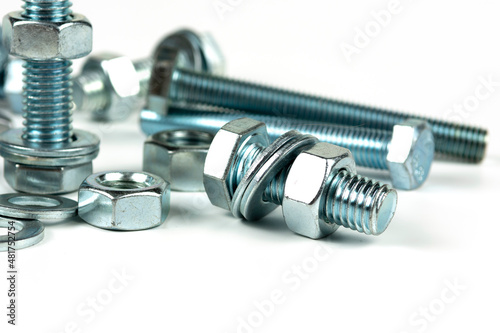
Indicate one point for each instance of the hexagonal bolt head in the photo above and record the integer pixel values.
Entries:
(124, 200)
(178, 157)
(411, 153)
(121, 87)
(307, 185)
(224, 153)
(45, 180)
(37, 40)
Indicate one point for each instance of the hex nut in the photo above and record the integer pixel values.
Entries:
(223, 154)
(305, 188)
(178, 157)
(124, 200)
(36, 40)
(45, 180)
(122, 84)
(411, 153)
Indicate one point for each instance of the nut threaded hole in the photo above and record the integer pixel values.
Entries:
(185, 138)
(125, 181)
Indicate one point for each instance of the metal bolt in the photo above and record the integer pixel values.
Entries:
(316, 183)
(111, 87)
(47, 156)
(407, 152)
(453, 141)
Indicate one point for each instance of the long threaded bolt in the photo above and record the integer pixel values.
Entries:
(315, 182)
(453, 141)
(370, 147)
(47, 92)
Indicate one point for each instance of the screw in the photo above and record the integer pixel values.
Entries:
(47, 156)
(316, 183)
(407, 152)
(453, 141)
(110, 86)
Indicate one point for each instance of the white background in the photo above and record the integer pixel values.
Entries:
(204, 271)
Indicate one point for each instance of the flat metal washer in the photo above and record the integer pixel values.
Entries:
(44, 208)
(30, 232)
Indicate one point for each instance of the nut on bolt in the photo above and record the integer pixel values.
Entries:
(40, 40)
(315, 182)
(124, 200)
(178, 157)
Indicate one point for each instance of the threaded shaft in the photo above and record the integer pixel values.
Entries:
(359, 203)
(47, 11)
(455, 141)
(90, 92)
(48, 101)
(351, 201)
(369, 147)
(143, 68)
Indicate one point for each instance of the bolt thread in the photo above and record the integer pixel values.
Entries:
(47, 11)
(356, 202)
(90, 91)
(47, 92)
(47, 101)
(351, 201)
(369, 147)
(245, 158)
(453, 141)
(143, 68)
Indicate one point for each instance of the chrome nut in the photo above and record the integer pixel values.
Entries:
(37, 40)
(122, 84)
(223, 155)
(124, 200)
(178, 157)
(411, 153)
(306, 187)
(45, 180)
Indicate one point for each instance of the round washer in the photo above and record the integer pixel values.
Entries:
(248, 199)
(29, 233)
(45, 208)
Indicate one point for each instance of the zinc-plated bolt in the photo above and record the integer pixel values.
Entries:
(407, 152)
(48, 156)
(111, 87)
(453, 141)
(315, 182)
